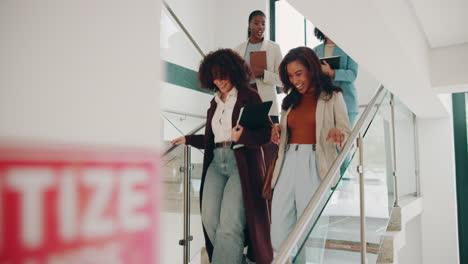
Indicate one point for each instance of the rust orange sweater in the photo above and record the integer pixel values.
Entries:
(301, 121)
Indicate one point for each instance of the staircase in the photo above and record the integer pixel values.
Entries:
(395, 237)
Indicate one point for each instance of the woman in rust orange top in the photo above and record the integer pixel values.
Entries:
(314, 122)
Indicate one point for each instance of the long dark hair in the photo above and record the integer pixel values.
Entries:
(321, 81)
(251, 16)
(224, 64)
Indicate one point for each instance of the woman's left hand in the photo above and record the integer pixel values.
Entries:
(236, 133)
(336, 136)
(327, 69)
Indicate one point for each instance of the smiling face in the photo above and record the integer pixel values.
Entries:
(257, 27)
(224, 85)
(299, 76)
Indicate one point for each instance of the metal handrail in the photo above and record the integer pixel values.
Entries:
(395, 178)
(177, 20)
(193, 131)
(306, 218)
(170, 111)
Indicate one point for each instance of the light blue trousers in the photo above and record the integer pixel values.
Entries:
(223, 213)
(298, 180)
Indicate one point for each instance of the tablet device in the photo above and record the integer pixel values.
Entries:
(255, 116)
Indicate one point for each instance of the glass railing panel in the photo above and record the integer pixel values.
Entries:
(335, 237)
(196, 229)
(383, 99)
(175, 125)
(378, 164)
(180, 123)
(405, 149)
(172, 208)
(335, 232)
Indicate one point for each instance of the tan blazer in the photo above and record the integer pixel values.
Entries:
(329, 114)
(267, 86)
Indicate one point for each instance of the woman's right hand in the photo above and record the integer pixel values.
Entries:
(275, 133)
(336, 136)
(178, 141)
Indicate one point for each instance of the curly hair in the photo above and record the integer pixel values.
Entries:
(319, 80)
(320, 36)
(224, 64)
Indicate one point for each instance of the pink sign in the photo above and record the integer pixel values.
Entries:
(62, 206)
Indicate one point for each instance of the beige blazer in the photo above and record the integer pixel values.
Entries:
(329, 114)
(267, 86)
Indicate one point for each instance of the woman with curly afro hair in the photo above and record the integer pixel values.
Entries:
(234, 214)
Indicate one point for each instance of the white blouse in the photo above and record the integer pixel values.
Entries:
(222, 118)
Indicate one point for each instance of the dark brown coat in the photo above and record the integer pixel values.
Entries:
(251, 168)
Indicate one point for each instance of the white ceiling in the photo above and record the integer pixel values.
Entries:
(391, 45)
(444, 22)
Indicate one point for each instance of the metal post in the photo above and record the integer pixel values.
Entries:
(360, 170)
(395, 180)
(185, 242)
(416, 157)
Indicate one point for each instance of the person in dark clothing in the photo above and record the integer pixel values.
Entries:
(233, 211)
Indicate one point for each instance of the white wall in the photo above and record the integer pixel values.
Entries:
(218, 24)
(411, 253)
(437, 166)
(213, 25)
(366, 85)
(232, 21)
(185, 100)
(200, 19)
(449, 68)
(80, 71)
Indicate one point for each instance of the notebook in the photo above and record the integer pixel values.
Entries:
(334, 61)
(258, 60)
(255, 116)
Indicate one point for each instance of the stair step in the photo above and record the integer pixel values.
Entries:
(394, 238)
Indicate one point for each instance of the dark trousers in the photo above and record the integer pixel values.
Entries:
(270, 149)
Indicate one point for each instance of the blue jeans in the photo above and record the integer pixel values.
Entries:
(223, 212)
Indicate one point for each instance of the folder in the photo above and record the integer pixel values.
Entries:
(255, 116)
(258, 60)
(334, 61)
